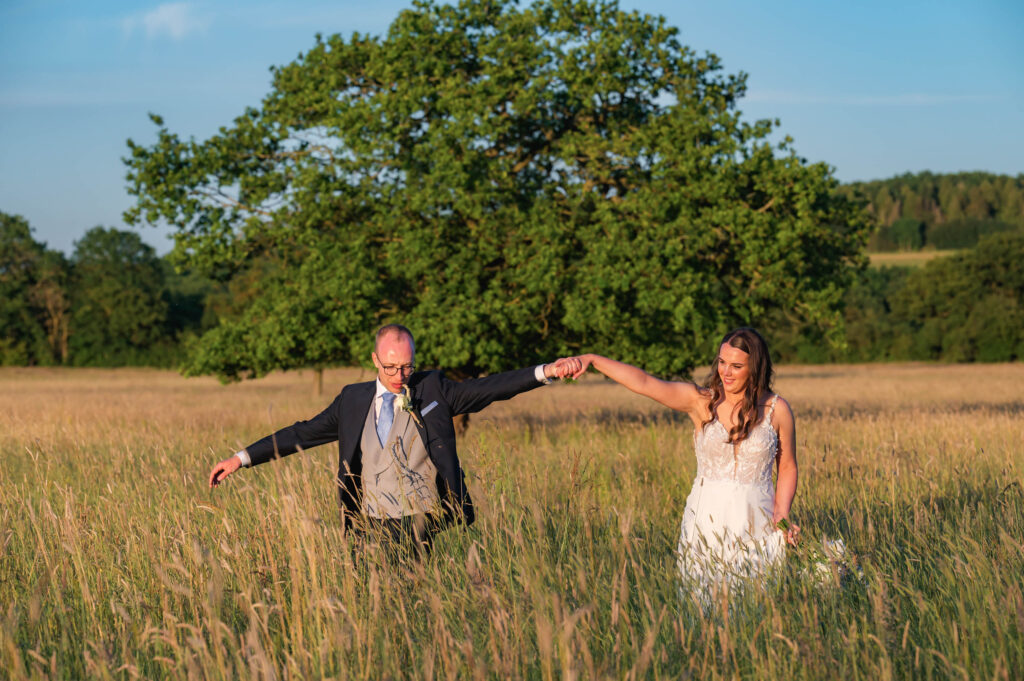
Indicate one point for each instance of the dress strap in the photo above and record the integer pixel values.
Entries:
(771, 408)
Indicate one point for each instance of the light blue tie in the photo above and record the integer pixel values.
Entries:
(386, 418)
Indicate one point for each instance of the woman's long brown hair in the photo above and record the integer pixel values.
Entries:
(759, 381)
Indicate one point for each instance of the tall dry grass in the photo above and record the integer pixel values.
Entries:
(116, 561)
(912, 259)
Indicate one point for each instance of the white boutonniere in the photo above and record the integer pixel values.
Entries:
(404, 402)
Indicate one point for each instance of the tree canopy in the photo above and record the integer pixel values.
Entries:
(512, 183)
(968, 306)
(18, 254)
(33, 301)
(113, 303)
(119, 309)
(944, 211)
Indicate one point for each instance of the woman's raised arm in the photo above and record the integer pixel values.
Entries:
(679, 395)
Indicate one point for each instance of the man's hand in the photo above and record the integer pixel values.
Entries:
(562, 368)
(223, 469)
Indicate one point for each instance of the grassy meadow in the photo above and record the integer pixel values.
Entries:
(118, 562)
(912, 259)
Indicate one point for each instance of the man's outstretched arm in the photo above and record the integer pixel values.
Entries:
(320, 429)
(474, 394)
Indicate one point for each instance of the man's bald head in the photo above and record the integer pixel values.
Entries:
(395, 332)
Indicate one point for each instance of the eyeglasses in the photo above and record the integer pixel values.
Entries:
(392, 369)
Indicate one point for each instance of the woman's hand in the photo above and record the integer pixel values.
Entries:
(582, 363)
(791, 529)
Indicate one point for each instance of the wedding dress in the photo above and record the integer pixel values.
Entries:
(727, 530)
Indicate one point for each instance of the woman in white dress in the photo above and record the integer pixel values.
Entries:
(731, 522)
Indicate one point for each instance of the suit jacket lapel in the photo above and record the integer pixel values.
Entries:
(417, 404)
(353, 416)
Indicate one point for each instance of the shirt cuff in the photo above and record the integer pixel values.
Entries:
(539, 374)
(243, 456)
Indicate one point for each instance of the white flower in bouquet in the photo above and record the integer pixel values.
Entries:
(832, 566)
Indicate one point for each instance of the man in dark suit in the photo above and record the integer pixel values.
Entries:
(398, 469)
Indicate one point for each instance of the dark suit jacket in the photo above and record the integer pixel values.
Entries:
(343, 421)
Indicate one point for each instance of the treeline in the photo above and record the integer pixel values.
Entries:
(948, 211)
(966, 307)
(112, 303)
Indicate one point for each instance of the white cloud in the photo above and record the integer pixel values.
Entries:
(172, 19)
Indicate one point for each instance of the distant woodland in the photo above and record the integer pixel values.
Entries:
(940, 211)
(114, 302)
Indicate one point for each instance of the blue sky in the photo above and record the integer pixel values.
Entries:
(873, 88)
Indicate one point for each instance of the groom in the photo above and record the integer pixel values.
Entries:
(398, 471)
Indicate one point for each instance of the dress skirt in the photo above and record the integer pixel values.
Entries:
(727, 533)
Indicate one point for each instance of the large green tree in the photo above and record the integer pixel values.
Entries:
(118, 304)
(512, 182)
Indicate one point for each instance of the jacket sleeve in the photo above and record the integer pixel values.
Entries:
(474, 394)
(319, 430)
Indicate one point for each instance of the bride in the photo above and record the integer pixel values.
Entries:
(741, 428)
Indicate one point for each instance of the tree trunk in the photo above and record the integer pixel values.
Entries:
(64, 343)
(318, 382)
(53, 299)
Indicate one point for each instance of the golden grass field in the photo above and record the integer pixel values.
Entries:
(913, 259)
(117, 561)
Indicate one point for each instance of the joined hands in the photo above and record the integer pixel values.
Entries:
(566, 367)
(571, 367)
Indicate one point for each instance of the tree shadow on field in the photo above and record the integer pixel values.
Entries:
(626, 416)
(602, 416)
(986, 505)
(820, 373)
(859, 411)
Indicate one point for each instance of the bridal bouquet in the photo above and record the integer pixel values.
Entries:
(829, 565)
(832, 566)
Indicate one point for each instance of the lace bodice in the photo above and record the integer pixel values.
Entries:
(749, 462)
